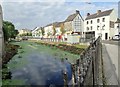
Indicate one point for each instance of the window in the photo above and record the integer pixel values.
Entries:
(103, 19)
(98, 20)
(91, 27)
(103, 27)
(118, 26)
(98, 27)
(87, 22)
(87, 28)
(91, 21)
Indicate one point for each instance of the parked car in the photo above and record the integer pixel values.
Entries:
(116, 37)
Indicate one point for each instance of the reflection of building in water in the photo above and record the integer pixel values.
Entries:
(1, 33)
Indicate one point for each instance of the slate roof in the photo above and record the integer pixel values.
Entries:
(56, 24)
(71, 17)
(96, 15)
(118, 21)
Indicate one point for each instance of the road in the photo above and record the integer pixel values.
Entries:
(36, 64)
(111, 52)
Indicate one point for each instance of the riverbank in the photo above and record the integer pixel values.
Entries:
(10, 50)
(71, 48)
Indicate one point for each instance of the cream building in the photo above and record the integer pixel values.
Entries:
(24, 31)
(100, 24)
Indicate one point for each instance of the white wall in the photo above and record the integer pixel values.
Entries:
(58, 31)
(100, 30)
(117, 30)
(47, 30)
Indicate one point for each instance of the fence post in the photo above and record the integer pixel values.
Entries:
(65, 78)
(73, 74)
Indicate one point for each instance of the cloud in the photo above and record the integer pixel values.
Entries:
(31, 14)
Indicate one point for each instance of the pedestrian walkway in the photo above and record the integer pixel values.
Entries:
(109, 68)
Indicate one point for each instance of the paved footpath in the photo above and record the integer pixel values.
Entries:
(110, 60)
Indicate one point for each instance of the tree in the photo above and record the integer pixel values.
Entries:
(8, 30)
(54, 30)
(42, 30)
(62, 29)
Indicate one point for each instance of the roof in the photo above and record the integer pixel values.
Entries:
(96, 15)
(51, 24)
(58, 24)
(71, 17)
(118, 20)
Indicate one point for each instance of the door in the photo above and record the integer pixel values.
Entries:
(106, 36)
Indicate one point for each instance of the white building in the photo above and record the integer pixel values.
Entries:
(37, 32)
(49, 31)
(74, 23)
(24, 31)
(100, 24)
(117, 27)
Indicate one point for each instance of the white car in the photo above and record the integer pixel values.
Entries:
(116, 37)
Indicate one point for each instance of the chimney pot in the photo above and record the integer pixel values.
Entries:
(88, 14)
(98, 11)
(77, 11)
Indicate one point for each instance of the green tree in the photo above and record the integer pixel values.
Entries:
(62, 29)
(9, 30)
(54, 30)
(42, 30)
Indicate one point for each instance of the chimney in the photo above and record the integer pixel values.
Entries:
(98, 11)
(88, 14)
(77, 11)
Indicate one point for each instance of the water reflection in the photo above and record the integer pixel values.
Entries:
(42, 69)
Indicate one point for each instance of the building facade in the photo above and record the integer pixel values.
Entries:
(74, 23)
(117, 27)
(24, 32)
(37, 32)
(100, 24)
(1, 34)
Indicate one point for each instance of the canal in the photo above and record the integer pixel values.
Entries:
(36, 64)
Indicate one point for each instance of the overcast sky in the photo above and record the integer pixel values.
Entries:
(38, 13)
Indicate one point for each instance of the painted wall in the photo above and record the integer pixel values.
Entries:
(48, 30)
(104, 27)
